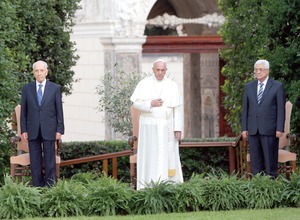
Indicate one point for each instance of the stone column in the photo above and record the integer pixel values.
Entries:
(123, 45)
(127, 54)
(209, 63)
(192, 96)
(124, 52)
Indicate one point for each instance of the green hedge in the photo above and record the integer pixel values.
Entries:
(193, 160)
(73, 150)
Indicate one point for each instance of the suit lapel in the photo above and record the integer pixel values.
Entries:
(34, 92)
(46, 92)
(254, 90)
(267, 89)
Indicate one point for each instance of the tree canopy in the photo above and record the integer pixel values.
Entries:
(260, 29)
(32, 30)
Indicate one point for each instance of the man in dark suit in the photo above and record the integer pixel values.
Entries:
(42, 123)
(263, 119)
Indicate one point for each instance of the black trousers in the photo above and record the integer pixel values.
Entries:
(264, 154)
(42, 161)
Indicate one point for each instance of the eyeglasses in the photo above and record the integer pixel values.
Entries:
(259, 70)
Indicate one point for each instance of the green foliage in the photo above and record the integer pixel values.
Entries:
(190, 194)
(193, 160)
(291, 193)
(222, 192)
(260, 29)
(262, 192)
(84, 178)
(19, 200)
(107, 196)
(154, 198)
(64, 199)
(8, 77)
(39, 39)
(91, 194)
(202, 160)
(31, 30)
(115, 92)
(73, 150)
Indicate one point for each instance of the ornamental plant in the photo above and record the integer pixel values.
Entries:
(64, 199)
(115, 90)
(223, 192)
(18, 200)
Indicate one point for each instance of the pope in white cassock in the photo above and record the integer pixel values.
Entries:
(160, 125)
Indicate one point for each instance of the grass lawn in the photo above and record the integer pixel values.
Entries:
(262, 214)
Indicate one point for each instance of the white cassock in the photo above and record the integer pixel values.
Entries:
(158, 150)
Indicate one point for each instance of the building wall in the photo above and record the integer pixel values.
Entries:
(83, 122)
(105, 31)
(99, 21)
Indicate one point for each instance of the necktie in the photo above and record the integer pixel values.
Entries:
(260, 92)
(40, 94)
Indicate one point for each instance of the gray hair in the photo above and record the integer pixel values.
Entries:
(45, 64)
(263, 62)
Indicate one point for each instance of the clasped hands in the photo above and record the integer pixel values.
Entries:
(157, 102)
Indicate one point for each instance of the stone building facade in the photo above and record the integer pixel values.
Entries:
(112, 31)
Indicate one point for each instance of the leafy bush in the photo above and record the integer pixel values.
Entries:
(222, 192)
(190, 194)
(107, 196)
(18, 200)
(64, 199)
(91, 194)
(115, 91)
(156, 197)
(262, 192)
(291, 192)
(85, 178)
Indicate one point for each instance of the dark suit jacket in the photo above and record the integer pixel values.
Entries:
(268, 116)
(48, 116)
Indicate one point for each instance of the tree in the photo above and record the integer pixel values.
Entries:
(260, 29)
(115, 91)
(45, 35)
(31, 30)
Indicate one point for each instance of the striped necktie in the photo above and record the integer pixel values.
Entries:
(260, 92)
(40, 94)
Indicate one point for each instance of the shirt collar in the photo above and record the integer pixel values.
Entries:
(264, 82)
(43, 83)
